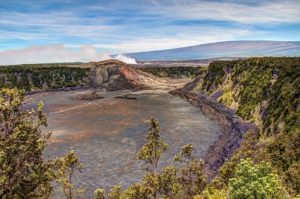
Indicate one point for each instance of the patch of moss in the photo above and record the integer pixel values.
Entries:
(227, 97)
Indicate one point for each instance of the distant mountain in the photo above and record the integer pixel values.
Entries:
(222, 49)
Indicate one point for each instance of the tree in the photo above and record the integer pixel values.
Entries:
(250, 148)
(172, 182)
(254, 182)
(65, 167)
(136, 191)
(215, 194)
(192, 178)
(152, 151)
(115, 192)
(169, 185)
(99, 194)
(23, 172)
(150, 154)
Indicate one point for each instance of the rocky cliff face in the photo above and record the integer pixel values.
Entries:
(262, 91)
(112, 75)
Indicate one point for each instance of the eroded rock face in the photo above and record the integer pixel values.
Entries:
(100, 75)
(111, 75)
(116, 75)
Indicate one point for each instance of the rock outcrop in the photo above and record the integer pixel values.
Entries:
(116, 75)
(111, 75)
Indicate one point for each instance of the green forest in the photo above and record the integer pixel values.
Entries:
(175, 71)
(264, 90)
(32, 77)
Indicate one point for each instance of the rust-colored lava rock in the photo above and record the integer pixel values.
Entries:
(116, 75)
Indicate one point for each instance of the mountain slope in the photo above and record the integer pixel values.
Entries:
(223, 49)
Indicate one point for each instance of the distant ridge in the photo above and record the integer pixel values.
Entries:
(222, 49)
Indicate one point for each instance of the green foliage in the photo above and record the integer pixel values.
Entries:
(254, 182)
(23, 171)
(175, 71)
(253, 83)
(185, 153)
(255, 80)
(191, 177)
(227, 97)
(136, 191)
(115, 192)
(99, 194)
(66, 166)
(152, 151)
(41, 77)
(169, 185)
(284, 154)
(291, 178)
(216, 74)
(155, 146)
(215, 194)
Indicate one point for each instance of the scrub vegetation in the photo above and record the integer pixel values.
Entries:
(176, 72)
(35, 77)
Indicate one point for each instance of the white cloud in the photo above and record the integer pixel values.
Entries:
(51, 25)
(183, 39)
(71, 26)
(269, 12)
(54, 54)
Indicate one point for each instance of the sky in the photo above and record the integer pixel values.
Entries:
(93, 29)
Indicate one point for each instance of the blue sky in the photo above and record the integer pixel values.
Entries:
(117, 26)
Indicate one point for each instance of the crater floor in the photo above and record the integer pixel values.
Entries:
(107, 133)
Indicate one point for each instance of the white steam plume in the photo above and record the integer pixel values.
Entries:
(125, 59)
